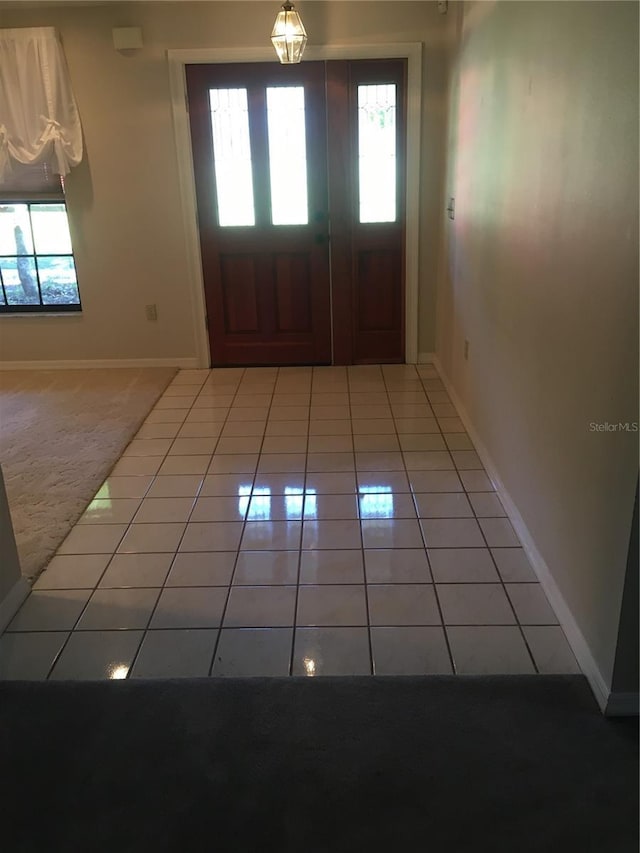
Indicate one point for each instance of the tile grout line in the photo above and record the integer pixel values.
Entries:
(129, 525)
(501, 580)
(302, 529)
(447, 640)
(84, 608)
(366, 586)
(111, 556)
(259, 455)
(426, 553)
(244, 525)
(390, 624)
(177, 548)
(145, 630)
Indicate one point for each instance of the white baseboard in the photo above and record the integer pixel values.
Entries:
(623, 705)
(574, 635)
(184, 363)
(427, 357)
(10, 604)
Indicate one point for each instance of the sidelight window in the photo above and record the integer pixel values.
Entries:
(377, 152)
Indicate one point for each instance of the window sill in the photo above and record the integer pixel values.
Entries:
(40, 314)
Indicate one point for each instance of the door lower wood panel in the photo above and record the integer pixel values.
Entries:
(378, 307)
(267, 314)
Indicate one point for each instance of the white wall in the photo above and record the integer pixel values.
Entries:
(124, 201)
(540, 275)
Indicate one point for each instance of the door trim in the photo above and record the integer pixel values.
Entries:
(177, 59)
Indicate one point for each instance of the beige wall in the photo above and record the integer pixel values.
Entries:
(124, 201)
(540, 275)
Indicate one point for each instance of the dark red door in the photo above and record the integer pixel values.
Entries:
(300, 189)
(367, 177)
(259, 145)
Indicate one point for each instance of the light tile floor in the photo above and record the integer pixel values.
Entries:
(291, 521)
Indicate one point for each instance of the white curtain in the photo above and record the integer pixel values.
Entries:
(39, 121)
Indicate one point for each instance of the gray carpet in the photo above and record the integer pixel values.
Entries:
(449, 764)
(62, 432)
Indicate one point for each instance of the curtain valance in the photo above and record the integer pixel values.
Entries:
(39, 120)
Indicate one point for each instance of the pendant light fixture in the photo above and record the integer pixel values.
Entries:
(289, 36)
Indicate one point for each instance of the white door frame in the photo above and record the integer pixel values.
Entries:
(411, 51)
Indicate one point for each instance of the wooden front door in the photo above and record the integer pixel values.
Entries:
(299, 176)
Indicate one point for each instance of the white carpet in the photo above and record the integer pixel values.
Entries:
(61, 432)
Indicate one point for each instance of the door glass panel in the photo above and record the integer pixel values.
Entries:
(287, 155)
(377, 152)
(232, 156)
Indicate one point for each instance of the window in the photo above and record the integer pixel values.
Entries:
(37, 269)
(377, 152)
(287, 155)
(232, 156)
(41, 140)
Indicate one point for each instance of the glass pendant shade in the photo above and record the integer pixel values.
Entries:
(289, 36)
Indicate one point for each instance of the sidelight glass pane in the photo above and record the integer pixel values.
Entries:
(287, 155)
(377, 152)
(232, 156)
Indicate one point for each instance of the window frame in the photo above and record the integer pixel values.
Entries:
(8, 198)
